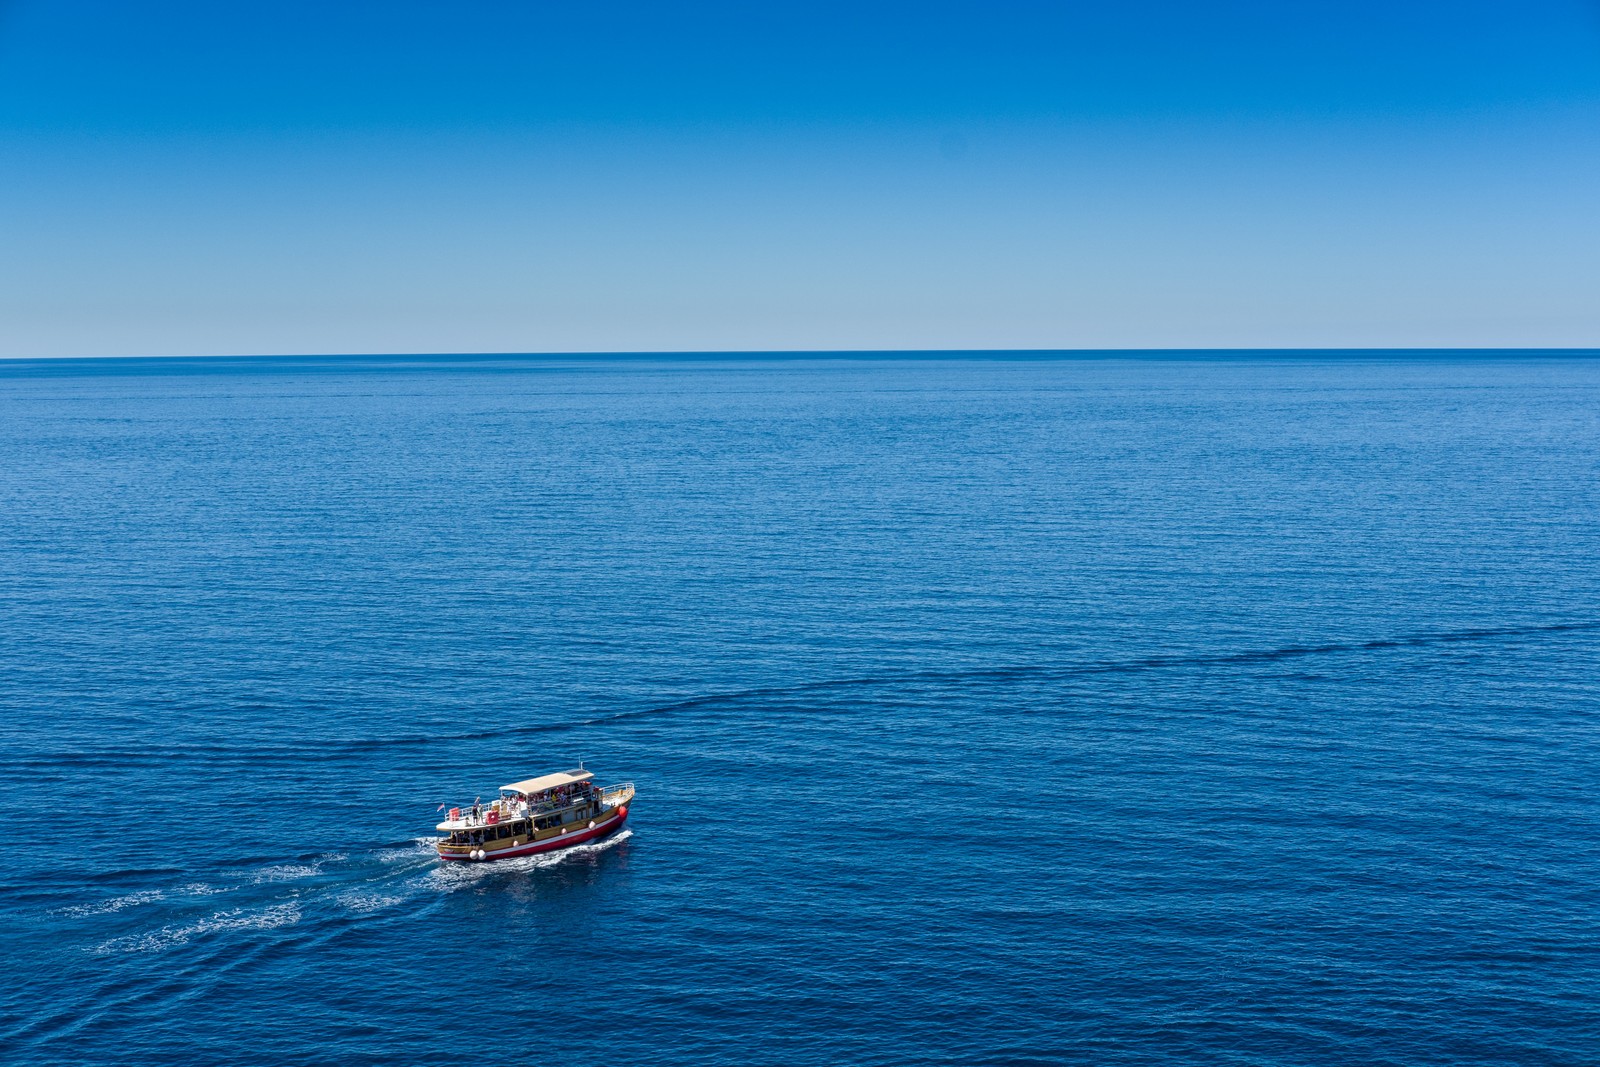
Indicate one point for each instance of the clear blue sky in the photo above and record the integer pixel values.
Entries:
(182, 178)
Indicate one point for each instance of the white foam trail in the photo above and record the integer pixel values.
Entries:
(364, 903)
(131, 900)
(422, 848)
(286, 872)
(172, 936)
(115, 904)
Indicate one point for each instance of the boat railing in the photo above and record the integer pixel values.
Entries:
(616, 790)
(538, 811)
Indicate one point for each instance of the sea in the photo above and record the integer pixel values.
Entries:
(1194, 708)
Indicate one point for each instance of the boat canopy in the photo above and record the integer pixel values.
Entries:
(548, 781)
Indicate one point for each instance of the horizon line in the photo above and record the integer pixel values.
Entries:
(711, 355)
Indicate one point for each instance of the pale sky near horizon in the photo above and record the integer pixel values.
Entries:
(186, 178)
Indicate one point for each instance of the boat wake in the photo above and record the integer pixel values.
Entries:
(233, 919)
(331, 890)
(335, 749)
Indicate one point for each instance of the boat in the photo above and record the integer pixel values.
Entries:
(535, 815)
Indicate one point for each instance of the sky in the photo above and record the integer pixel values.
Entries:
(585, 175)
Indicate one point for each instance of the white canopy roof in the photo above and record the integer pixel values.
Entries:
(548, 781)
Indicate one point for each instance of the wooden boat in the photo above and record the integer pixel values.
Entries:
(536, 815)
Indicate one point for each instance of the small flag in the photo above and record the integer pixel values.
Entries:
(439, 809)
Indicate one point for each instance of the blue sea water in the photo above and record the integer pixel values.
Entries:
(1190, 710)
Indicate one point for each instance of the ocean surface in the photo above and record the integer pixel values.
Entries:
(1010, 710)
